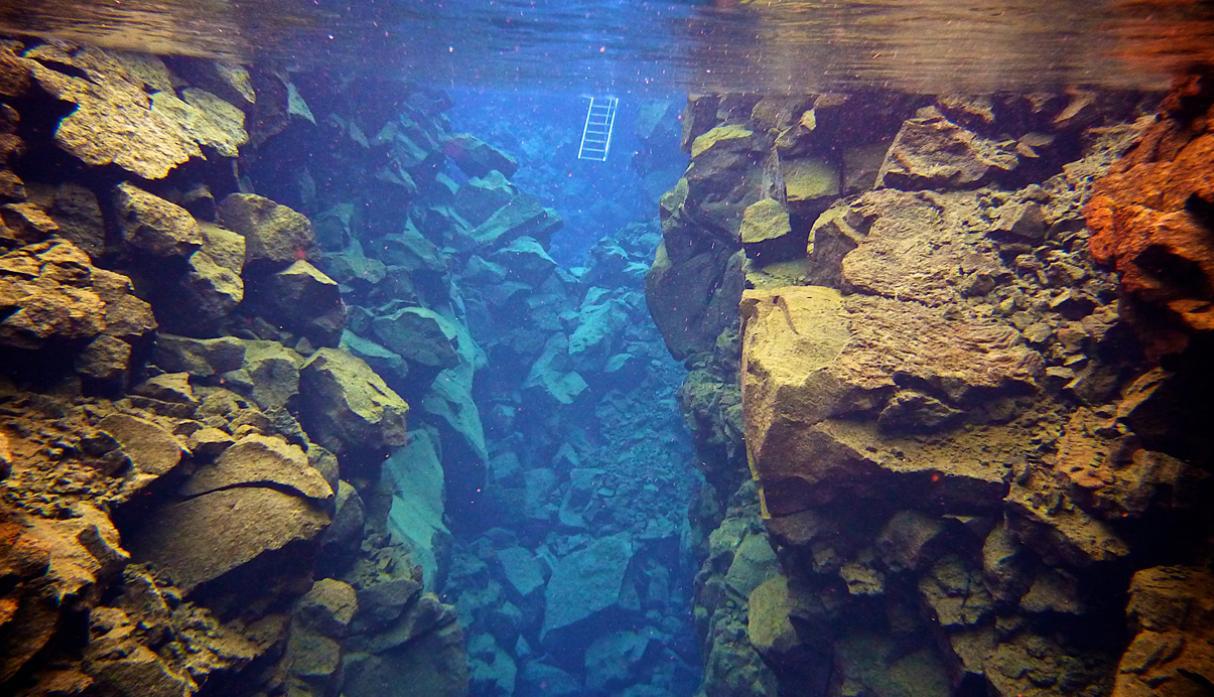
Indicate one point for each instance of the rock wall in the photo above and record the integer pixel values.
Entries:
(977, 456)
(192, 464)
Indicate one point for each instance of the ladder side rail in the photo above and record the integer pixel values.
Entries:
(582, 146)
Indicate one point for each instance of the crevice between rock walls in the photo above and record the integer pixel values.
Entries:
(223, 292)
(970, 368)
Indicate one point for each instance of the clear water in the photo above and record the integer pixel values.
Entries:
(517, 73)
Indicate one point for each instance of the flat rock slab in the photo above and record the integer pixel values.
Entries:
(201, 539)
(260, 461)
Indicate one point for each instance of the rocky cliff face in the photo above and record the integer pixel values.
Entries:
(192, 462)
(976, 455)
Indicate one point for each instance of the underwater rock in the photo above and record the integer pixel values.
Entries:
(416, 513)
(931, 152)
(76, 213)
(126, 113)
(1170, 615)
(200, 357)
(1151, 219)
(50, 292)
(272, 231)
(478, 158)
(340, 543)
(521, 217)
(346, 406)
(614, 660)
(201, 539)
(328, 607)
(481, 197)
(693, 301)
(422, 337)
(811, 355)
(260, 461)
(155, 226)
(588, 594)
(302, 299)
(433, 664)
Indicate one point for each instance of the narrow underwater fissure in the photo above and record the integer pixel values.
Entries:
(317, 381)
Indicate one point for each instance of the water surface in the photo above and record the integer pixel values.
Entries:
(774, 46)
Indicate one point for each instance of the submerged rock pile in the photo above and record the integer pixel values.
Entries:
(190, 462)
(537, 393)
(966, 464)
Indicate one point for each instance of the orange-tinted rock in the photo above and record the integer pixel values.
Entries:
(1152, 218)
(1172, 610)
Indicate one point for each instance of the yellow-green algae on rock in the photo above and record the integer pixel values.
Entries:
(764, 220)
(717, 135)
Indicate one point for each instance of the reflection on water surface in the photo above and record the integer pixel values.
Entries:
(772, 45)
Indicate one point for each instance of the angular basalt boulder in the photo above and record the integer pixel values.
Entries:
(154, 226)
(273, 232)
(301, 299)
(588, 595)
(478, 158)
(1171, 613)
(1151, 219)
(421, 336)
(260, 461)
(51, 296)
(346, 406)
(812, 357)
(126, 111)
(201, 539)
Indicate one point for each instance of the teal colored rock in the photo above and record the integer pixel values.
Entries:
(415, 518)
(478, 158)
(482, 196)
(526, 260)
(614, 661)
(522, 571)
(420, 336)
(551, 378)
(388, 364)
(588, 594)
(522, 216)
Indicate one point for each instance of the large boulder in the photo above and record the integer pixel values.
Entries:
(201, 539)
(589, 594)
(1171, 613)
(811, 356)
(302, 299)
(346, 406)
(272, 232)
(415, 518)
(478, 158)
(421, 336)
(126, 111)
(154, 226)
(931, 152)
(257, 460)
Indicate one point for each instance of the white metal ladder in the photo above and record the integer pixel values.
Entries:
(596, 134)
